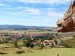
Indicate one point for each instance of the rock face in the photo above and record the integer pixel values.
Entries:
(67, 24)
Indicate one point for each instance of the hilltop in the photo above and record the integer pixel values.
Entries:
(21, 27)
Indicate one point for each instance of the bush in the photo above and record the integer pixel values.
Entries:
(66, 44)
(41, 46)
(20, 52)
(16, 44)
(31, 45)
(28, 44)
(69, 43)
(2, 53)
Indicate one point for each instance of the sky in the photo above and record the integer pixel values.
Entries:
(32, 12)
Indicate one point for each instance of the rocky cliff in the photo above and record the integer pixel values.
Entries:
(67, 24)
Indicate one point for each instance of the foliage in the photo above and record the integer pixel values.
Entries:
(29, 44)
(20, 52)
(70, 43)
(41, 46)
(2, 53)
(16, 44)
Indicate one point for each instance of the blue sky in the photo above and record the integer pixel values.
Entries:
(32, 12)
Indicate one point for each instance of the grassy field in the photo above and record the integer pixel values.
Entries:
(47, 52)
(25, 31)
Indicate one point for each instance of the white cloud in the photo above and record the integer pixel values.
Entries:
(3, 4)
(10, 0)
(45, 1)
(41, 1)
(26, 11)
(32, 10)
(18, 13)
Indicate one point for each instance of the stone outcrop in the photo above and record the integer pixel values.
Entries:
(67, 24)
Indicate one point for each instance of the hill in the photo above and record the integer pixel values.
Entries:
(21, 27)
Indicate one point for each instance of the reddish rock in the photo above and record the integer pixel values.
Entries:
(67, 24)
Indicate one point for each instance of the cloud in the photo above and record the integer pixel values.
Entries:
(11, 0)
(18, 13)
(32, 10)
(41, 1)
(26, 11)
(1, 4)
(45, 1)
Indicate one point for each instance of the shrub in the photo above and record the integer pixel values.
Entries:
(2, 53)
(29, 44)
(41, 46)
(70, 43)
(20, 52)
(16, 44)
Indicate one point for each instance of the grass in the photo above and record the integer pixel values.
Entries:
(29, 52)
(47, 52)
(24, 31)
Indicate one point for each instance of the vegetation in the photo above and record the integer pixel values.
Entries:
(47, 52)
(16, 44)
(45, 44)
(20, 52)
(70, 43)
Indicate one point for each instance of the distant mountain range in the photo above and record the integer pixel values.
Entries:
(21, 27)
